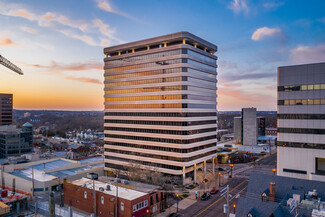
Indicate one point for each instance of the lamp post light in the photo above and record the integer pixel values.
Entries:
(177, 195)
(219, 177)
(274, 171)
(231, 166)
(234, 208)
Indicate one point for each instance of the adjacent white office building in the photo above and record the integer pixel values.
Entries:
(301, 121)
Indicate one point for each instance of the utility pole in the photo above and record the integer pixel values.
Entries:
(116, 214)
(225, 192)
(94, 198)
(33, 184)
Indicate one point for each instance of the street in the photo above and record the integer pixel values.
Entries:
(237, 185)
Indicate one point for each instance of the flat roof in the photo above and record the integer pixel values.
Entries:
(154, 40)
(124, 193)
(40, 169)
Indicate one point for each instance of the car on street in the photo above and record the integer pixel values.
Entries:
(205, 196)
(214, 190)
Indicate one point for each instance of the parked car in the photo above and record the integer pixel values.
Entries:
(214, 190)
(205, 196)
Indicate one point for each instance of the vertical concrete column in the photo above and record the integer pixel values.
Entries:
(194, 173)
(205, 168)
(119, 53)
(195, 45)
(165, 44)
(133, 50)
(213, 166)
(184, 41)
(148, 47)
(184, 175)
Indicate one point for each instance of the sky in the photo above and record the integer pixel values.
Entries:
(59, 45)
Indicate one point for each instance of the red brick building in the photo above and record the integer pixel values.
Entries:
(131, 203)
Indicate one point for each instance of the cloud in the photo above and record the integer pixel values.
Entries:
(106, 6)
(272, 5)
(308, 54)
(57, 68)
(48, 17)
(238, 6)
(248, 76)
(7, 42)
(106, 30)
(265, 32)
(84, 79)
(77, 29)
(29, 30)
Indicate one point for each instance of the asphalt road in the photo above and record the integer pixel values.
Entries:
(238, 186)
(213, 207)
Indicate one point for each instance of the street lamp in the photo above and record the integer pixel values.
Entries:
(231, 166)
(219, 177)
(234, 208)
(177, 195)
(274, 171)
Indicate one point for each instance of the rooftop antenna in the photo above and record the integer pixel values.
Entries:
(6, 63)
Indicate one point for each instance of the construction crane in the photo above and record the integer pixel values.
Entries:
(10, 65)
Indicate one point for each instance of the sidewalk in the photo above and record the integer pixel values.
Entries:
(183, 204)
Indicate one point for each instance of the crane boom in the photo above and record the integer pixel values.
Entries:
(10, 65)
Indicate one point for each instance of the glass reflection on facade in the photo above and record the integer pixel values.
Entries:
(160, 97)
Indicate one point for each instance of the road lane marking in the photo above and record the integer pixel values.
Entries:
(219, 199)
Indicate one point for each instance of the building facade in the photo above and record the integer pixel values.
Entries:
(15, 141)
(5, 109)
(160, 104)
(301, 124)
(249, 127)
(129, 203)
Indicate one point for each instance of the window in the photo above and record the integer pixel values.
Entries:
(85, 194)
(122, 206)
(102, 199)
(320, 166)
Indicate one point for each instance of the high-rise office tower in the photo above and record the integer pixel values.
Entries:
(5, 109)
(301, 121)
(160, 104)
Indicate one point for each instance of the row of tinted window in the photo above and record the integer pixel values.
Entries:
(174, 105)
(145, 57)
(160, 148)
(160, 97)
(161, 123)
(159, 55)
(132, 162)
(162, 114)
(158, 131)
(146, 65)
(200, 56)
(146, 73)
(210, 92)
(302, 145)
(302, 87)
(302, 102)
(209, 84)
(302, 116)
(301, 130)
(161, 157)
(200, 65)
(191, 71)
(175, 141)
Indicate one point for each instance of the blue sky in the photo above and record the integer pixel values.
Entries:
(59, 45)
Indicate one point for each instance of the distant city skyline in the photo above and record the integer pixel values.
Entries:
(59, 46)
